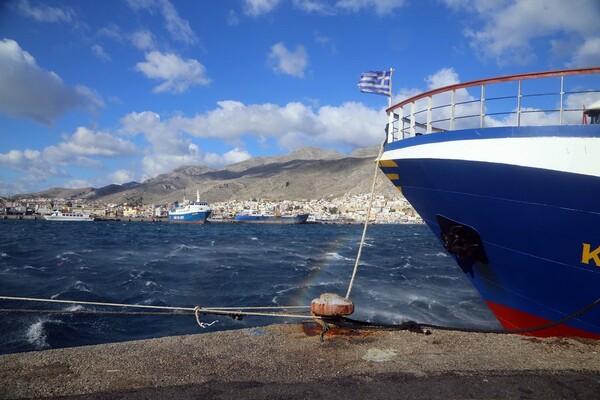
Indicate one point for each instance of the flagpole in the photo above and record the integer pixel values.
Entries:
(389, 129)
(390, 96)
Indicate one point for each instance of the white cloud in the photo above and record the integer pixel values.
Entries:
(76, 184)
(100, 53)
(314, 6)
(510, 28)
(178, 27)
(232, 18)
(170, 147)
(28, 91)
(44, 13)
(86, 142)
(381, 7)
(122, 176)
(178, 75)
(143, 40)
(82, 149)
(255, 8)
(326, 42)
(588, 54)
(293, 125)
(286, 62)
(111, 31)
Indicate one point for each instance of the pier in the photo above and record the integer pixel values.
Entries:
(289, 361)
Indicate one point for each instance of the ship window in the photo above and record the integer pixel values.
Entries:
(594, 116)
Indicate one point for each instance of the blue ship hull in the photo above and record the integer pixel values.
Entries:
(534, 250)
(189, 218)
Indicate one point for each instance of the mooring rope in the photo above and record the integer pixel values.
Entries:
(235, 312)
(364, 234)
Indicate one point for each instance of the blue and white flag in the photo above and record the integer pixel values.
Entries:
(379, 82)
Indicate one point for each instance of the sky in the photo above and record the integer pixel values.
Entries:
(101, 92)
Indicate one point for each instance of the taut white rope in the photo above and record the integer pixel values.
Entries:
(362, 240)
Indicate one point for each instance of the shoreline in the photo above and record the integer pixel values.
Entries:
(288, 360)
(7, 217)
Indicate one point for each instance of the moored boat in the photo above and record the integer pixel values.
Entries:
(190, 212)
(256, 218)
(68, 216)
(509, 182)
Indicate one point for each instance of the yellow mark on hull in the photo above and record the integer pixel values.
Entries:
(392, 177)
(387, 163)
(588, 255)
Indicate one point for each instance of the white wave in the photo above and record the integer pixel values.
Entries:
(336, 256)
(37, 335)
(82, 287)
(77, 285)
(74, 307)
(182, 248)
(34, 268)
(3, 255)
(186, 247)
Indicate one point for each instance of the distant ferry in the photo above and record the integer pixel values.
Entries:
(508, 179)
(68, 216)
(189, 212)
(255, 218)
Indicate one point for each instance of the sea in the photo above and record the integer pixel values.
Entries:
(404, 274)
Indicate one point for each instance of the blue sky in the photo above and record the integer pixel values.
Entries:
(93, 93)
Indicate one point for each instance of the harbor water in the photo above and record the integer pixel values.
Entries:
(404, 274)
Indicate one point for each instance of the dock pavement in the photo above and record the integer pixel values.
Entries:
(289, 361)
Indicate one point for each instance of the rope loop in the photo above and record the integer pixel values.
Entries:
(202, 325)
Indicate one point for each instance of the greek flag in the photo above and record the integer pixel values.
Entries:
(378, 82)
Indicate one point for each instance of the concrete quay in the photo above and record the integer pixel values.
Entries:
(289, 361)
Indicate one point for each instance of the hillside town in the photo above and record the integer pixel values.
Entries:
(346, 209)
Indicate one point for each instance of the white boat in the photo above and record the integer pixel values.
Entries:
(190, 212)
(61, 216)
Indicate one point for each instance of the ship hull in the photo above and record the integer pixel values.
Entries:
(271, 219)
(198, 217)
(530, 195)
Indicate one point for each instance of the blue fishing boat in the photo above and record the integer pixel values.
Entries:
(190, 212)
(506, 173)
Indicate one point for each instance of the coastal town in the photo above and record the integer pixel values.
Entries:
(346, 210)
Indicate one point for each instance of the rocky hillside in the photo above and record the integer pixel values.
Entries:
(307, 173)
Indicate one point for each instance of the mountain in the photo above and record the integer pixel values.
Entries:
(306, 173)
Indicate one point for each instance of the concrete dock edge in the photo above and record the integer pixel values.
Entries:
(289, 361)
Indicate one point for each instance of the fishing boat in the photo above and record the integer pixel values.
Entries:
(277, 218)
(190, 212)
(68, 216)
(506, 173)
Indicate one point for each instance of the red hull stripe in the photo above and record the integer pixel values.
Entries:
(514, 319)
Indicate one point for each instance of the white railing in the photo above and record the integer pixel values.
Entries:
(544, 98)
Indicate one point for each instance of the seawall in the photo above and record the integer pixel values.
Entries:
(289, 361)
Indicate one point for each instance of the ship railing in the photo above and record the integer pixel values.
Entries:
(513, 100)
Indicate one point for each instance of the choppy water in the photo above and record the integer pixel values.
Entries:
(404, 274)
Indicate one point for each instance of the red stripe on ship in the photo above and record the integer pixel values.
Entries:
(514, 319)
